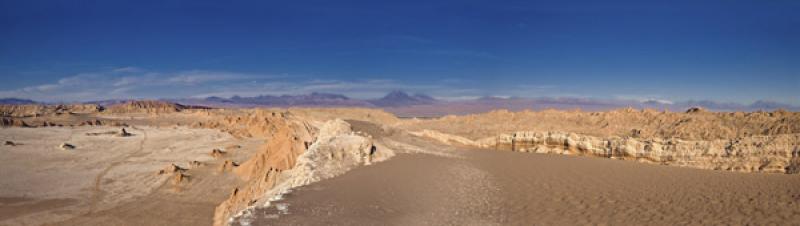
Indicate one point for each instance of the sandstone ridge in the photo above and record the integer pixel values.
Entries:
(297, 153)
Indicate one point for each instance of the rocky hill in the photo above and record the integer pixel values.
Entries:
(400, 99)
(34, 110)
(149, 106)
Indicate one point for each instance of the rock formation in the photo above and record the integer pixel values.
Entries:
(216, 153)
(228, 165)
(297, 154)
(747, 142)
(286, 139)
(95, 122)
(145, 106)
(778, 153)
(195, 164)
(12, 122)
(450, 139)
(35, 110)
(336, 151)
(177, 178)
(171, 168)
(124, 133)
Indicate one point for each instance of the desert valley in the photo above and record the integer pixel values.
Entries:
(408, 113)
(161, 163)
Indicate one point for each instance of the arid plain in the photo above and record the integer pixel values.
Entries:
(160, 163)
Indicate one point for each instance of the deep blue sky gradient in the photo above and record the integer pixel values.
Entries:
(724, 50)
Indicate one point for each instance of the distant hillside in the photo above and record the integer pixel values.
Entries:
(393, 99)
(310, 100)
(149, 106)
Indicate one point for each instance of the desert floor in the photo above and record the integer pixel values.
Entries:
(113, 180)
(509, 188)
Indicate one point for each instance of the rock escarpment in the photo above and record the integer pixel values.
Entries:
(779, 154)
(737, 141)
(296, 154)
(286, 139)
(776, 154)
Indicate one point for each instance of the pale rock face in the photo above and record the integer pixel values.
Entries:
(335, 150)
(145, 106)
(334, 128)
(750, 154)
(446, 138)
(777, 153)
(331, 157)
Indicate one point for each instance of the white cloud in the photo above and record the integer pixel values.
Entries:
(127, 70)
(197, 77)
(645, 98)
(123, 83)
(137, 83)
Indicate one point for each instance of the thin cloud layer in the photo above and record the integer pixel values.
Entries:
(137, 83)
(128, 82)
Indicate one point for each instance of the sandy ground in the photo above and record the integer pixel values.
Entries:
(113, 180)
(110, 180)
(508, 188)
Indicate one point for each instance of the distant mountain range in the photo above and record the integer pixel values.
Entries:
(401, 99)
(421, 105)
(393, 99)
(16, 101)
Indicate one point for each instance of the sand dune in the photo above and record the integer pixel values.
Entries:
(507, 188)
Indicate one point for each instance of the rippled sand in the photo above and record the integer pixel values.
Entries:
(502, 188)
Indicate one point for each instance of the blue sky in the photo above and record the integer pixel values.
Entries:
(727, 50)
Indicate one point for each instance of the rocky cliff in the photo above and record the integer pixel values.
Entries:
(296, 153)
(738, 141)
(286, 139)
(775, 154)
(779, 153)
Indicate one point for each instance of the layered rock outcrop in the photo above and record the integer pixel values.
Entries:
(775, 154)
(737, 141)
(779, 154)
